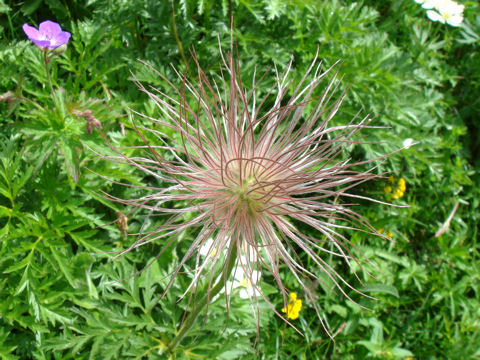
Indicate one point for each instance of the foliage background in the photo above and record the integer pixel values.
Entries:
(61, 294)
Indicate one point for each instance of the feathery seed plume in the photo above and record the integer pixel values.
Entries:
(248, 172)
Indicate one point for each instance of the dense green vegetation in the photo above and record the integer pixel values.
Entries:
(63, 295)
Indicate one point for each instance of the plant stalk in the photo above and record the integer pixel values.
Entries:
(177, 38)
(45, 60)
(188, 323)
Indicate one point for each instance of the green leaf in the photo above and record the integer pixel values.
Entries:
(4, 230)
(29, 7)
(72, 163)
(340, 310)
(5, 212)
(5, 192)
(20, 182)
(380, 288)
(54, 316)
(63, 265)
(19, 265)
(401, 353)
(92, 290)
(59, 99)
(6, 350)
(24, 281)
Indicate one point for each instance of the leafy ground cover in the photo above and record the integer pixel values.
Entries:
(62, 293)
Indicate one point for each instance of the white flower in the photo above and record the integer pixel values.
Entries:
(247, 251)
(445, 17)
(247, 284)
(208, 249)
(242, 281)
(407, 143)
(446, 11)
(427, 4)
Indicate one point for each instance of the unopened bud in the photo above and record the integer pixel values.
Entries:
(88, 128)
(122, 222)
(59, 50)
(8, 96)
(90, 119)
(95, 122)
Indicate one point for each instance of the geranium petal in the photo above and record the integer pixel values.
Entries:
(60, 39)
(41, 43)
(49, 29)
(31, 32)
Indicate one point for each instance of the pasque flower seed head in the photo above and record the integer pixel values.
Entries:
(248, 172)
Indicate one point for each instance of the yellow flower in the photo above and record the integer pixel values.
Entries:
(388, 234)
(397, 189)
(294, 306)
(397, 194)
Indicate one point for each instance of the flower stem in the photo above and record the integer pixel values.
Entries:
(188, 323)
(45, 60)
(38, 106)
(177, 38)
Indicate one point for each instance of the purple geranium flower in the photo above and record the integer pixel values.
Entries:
(49, 34)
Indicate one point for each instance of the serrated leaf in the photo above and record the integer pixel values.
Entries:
(5, 192)
(6, 353)
(89, 245)
(19, 265)
(62, 264)
(18, 185)
(4, 230)
(53, 316)
(24, 281)
(66, 342)
(59, 99)
(86, 303)
(72, 163)
(92, 290)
